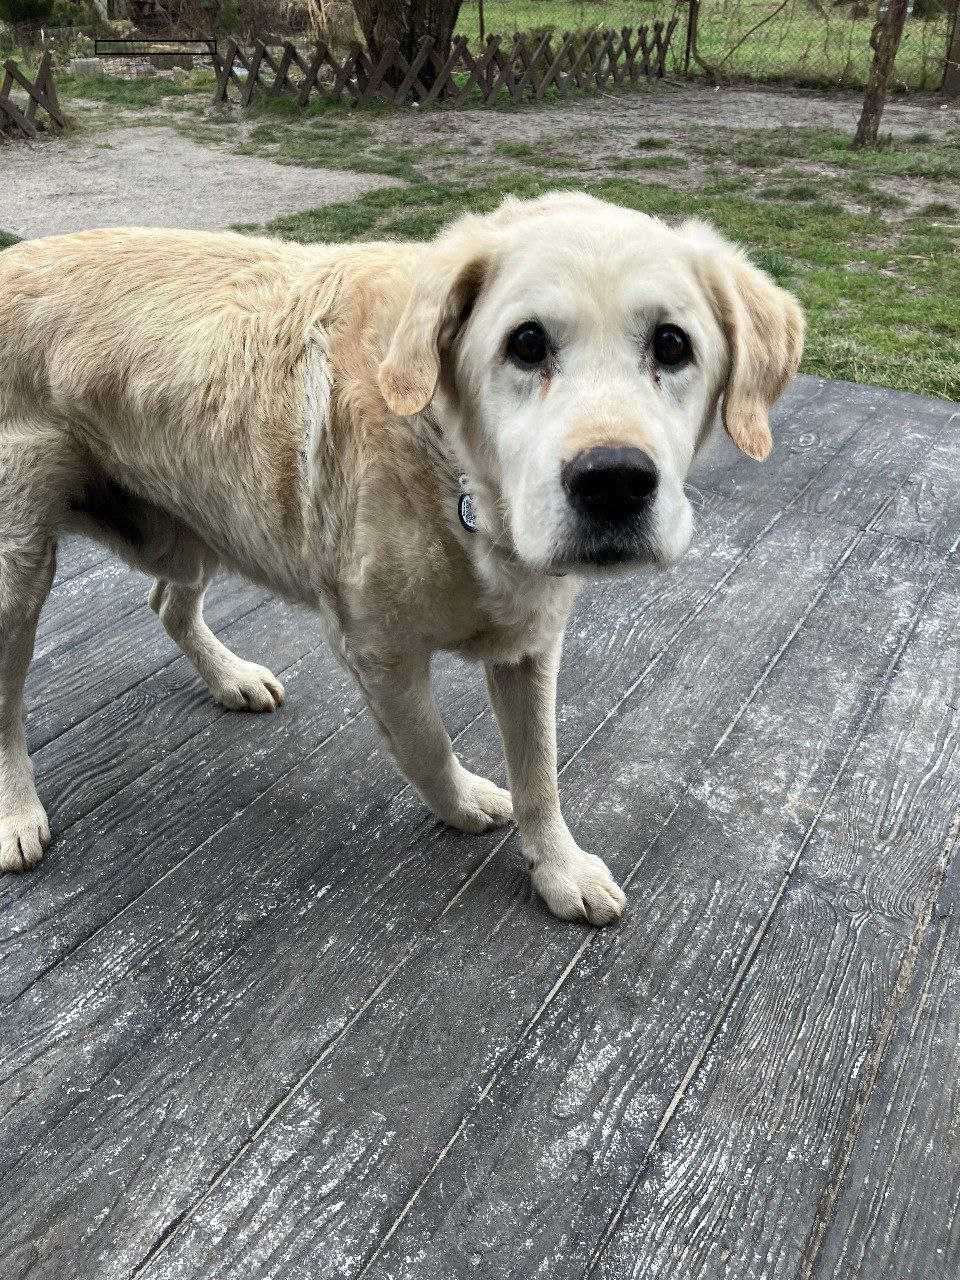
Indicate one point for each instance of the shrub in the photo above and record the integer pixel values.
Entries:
(68, 13)
(26, 12)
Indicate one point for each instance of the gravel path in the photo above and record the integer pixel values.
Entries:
(151, 175)
(147, 173)
(682, 104)
(740, 107)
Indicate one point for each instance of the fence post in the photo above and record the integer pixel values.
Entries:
(951, 70)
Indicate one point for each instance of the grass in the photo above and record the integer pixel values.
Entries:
(538, 155)
(897, 159)
(659, 161)
(879, 312)
(324, 139)
(7, 239)
(795, 192)
(136, 93)
(934, 162)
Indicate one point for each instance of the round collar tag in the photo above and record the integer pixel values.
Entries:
(467, 513)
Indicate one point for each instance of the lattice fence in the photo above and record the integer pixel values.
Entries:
(18, 114)
(523, 68)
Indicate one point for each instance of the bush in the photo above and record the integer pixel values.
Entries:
(67, 13)
(26, 12)
(929, 8)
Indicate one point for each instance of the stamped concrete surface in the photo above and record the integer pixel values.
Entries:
(153, 175)
(262, 1018)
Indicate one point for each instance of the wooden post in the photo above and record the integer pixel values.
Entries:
(951, 71)
(885, 40)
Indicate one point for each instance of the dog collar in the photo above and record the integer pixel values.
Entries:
(465, 508)
(468, 513)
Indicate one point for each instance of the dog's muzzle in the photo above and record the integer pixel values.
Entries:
(611, 489)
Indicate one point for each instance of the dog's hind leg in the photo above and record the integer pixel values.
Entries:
(235, 683)
(161, 545)
(29, 474)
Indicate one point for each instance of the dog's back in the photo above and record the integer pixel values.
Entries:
(138, 324)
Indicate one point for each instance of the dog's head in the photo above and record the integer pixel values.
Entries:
(580, 353)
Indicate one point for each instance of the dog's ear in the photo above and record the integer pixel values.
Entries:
(764, 329)
(453, 274)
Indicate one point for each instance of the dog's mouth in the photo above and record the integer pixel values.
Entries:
(605, 550)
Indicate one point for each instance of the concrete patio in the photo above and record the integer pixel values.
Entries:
(264, 1018)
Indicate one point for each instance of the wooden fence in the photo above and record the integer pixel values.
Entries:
(527, 68)
(19, 119)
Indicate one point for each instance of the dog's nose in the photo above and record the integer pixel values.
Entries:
(610, 482)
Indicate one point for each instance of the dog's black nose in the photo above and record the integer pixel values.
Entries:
(610, 483)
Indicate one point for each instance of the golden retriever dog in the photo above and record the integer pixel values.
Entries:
(428, 444)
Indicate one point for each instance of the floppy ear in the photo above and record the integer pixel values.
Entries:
(764, 328)
(436, 309)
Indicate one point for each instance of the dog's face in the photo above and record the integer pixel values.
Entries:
(587, 351)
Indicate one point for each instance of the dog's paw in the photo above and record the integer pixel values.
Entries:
(246, 686)
(473, 803)
(579, 888)
(23, 837)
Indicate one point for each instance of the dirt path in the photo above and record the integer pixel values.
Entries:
(595, 138)
(150, 174)
(686, 104)
(146, 172)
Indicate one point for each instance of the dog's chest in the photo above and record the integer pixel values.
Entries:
(507, 624)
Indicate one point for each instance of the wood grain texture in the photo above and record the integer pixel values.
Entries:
(98, 637)
(780, 1102)
(387, 913)
(98, 774)
(565, 1119)
(265, 1019)
(893, 1207)
(74, 557)
(809, 430)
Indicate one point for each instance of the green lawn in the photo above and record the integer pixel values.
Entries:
(798, 44)
(143, 91)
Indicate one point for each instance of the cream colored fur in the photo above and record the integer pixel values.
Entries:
(300, 415)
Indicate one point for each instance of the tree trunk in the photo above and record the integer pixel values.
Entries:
(435, 18)
(951, 72)
(381, 20)
(885, 41)
(408, 22)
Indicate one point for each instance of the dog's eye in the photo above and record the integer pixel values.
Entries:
(528, 344)
(671, 346)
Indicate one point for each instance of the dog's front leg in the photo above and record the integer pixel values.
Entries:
(575, 885)
(398, 696)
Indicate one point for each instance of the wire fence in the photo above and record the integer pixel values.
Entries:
(807, 42)
(823, 43)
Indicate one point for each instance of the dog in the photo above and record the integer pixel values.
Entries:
(429, 444)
